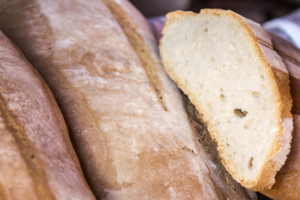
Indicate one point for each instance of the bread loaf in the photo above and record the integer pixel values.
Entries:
(287, 179)
(126, 118)
(226, 66)
(36, 156)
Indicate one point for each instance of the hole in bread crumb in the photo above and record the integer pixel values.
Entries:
(262, 77)
(212, 59)
(206, 29)
(221, 89)
(255, 94)
(222, 97)
(250, 164)
(240, 113)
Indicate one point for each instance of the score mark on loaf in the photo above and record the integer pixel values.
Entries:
(128, 145)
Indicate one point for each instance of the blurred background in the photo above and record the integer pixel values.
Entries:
(256, 10)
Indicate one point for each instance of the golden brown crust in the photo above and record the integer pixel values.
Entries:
(28, 152)
(276, 72)
(282, 88)
(129, 146)
(287, 179)
(261, 39)
(290, 56)
(172, 16)
(37, 159)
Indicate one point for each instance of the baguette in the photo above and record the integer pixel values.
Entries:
(226, 66)
(126, 118)
(36, 156)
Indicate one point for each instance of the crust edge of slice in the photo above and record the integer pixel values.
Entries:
(277, 154)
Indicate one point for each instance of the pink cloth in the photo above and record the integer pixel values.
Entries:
(287, 27)
(157, 24)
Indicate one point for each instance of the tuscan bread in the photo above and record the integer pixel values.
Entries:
(226, 66)
(37, 160)
(126, 118)
(287, 179)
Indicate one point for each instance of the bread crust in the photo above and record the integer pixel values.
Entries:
(276, 72)
(36, 156)
(290, 56)
(129, 146)
(286, 186)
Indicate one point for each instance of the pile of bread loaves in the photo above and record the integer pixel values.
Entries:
(93, 114)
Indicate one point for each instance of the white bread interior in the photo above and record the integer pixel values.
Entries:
(232, 79)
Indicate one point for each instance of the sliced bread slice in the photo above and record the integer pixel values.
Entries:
(226, 66)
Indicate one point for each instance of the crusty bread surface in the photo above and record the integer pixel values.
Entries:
(226, 66)
(37, 160)
(287, 179)
(126, 118)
